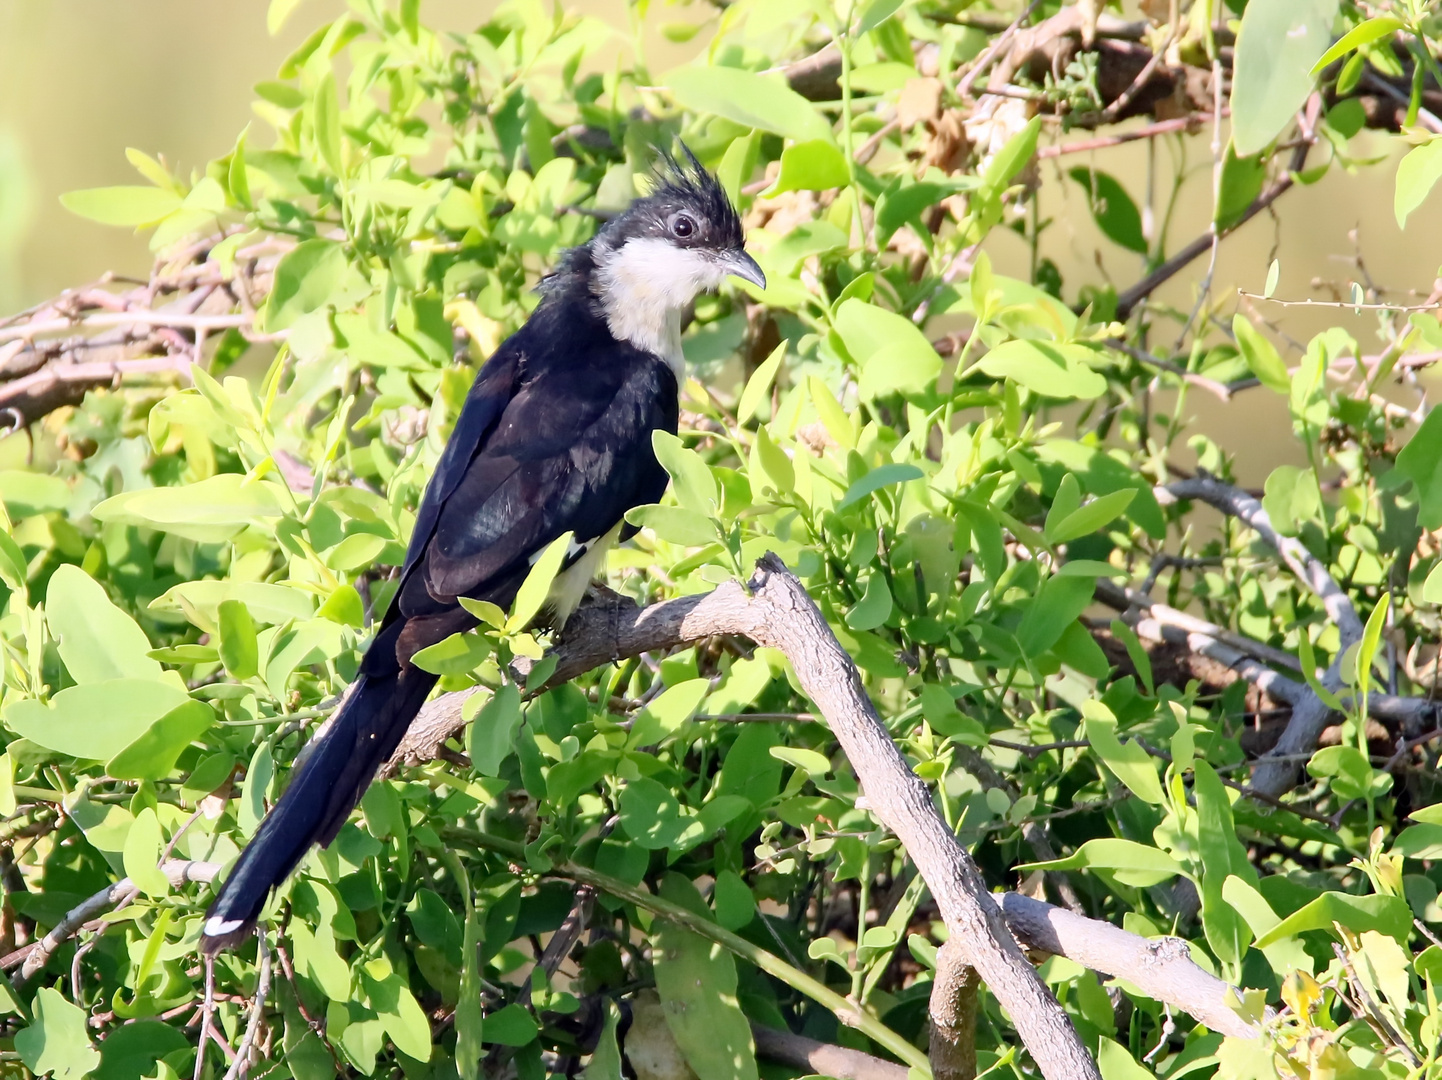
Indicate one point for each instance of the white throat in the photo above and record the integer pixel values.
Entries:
(644, 286)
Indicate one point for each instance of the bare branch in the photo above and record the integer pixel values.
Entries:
(953, 1008)
(35, 956)
(821, 1058)
(1277, 770)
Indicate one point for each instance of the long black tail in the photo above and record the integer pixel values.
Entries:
(321, 795)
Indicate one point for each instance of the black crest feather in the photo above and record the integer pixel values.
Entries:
(678, 184)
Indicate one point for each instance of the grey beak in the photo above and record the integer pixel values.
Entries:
(742, 265)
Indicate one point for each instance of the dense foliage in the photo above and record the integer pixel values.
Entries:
(958, 464)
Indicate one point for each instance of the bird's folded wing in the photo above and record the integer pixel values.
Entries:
(571, 452)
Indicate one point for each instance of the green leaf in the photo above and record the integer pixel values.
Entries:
(57, 1041)
(893, 353)
(277, 13)
(267, 603)
(905, 200)
(878, 478)
(1117, 1063)
(1371, 638)
(696, 980)
(127, 205)
(814, 165)
(1291, 498)
(605, 1063)
(510, 1025)
(355, 552)
(875, 13)
(874, 607)
(1011, 158)
(1088, 519)
(94, 721)
(1261, 356)
(1364, 33)
(1222, 857)
(751, 100)
(1242, 180)
(759, 385)
(1417, 174)
(769, 464)
(132, 1051)
(812, 762)
(1051, 369)
(531, 596)
(1389, 915)
(1132, 765)
(238, 649)
(664, 716)
(258, 775)
(675, 524)
(325, 114)
(1064, 503)
(1419, 841)
(401, 1015)
(1102, 474)
(492, 734)
(1113, 209)
(1057, 604)
(486, 611)
(1419, 462)
(649, 813)
(459, 654)
(279, 93)
(211, 510)
(142, 854)
(28, 493)
(735, 904)
(1351, 773)
(236, 177)
(1133, 864)
(470, 1022)
(1277, 45)
(305, 279)
(154, 754)
(691, 478)
(97, 640)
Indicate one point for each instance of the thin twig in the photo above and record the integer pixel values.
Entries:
(1189, 123)
(1131, 297)
(997, 47)
(239, 1066)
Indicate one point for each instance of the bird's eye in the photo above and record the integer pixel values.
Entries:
(683, 226)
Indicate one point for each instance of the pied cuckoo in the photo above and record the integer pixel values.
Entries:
(554, 437)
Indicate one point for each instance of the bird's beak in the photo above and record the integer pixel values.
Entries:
(742, 265)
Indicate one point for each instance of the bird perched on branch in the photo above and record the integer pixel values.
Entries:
(555, 437)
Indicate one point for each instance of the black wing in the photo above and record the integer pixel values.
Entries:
(555, 436)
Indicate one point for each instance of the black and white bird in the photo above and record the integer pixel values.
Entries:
(555, 437)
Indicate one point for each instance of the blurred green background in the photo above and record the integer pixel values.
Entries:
(82, 80)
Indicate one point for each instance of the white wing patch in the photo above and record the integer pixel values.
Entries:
(215, 926)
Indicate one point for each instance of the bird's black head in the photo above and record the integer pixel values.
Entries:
(687, 208)
(649, 263)
(681, 239)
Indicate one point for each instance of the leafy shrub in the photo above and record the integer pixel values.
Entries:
(959, 464)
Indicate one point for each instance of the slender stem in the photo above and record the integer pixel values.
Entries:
(846, 1011)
